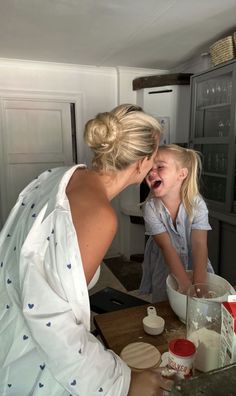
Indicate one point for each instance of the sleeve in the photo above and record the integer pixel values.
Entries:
(200, 219)
(153, 219)
(56, 308)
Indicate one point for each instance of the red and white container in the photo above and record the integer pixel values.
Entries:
(181, 355)
(228, 332)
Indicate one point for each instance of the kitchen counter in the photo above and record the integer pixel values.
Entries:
(120, 328)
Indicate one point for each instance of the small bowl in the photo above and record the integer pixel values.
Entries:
(152, 323)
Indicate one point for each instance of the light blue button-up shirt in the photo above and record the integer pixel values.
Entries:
(158, 220)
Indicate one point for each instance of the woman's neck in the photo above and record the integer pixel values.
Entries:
(116, 182)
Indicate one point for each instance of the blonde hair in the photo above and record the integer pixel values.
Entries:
(121, 137)
(190, 159)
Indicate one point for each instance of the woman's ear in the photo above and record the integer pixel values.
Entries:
(141, 163)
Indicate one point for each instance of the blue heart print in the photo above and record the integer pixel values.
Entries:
(73, 383)
(48, 238)
(48, 324)
(69, 266)
(7, 306)
(25, 337)
(42, 366)
(40, 384)
(32, 206)
(80, 351)
(8, 281)
(34, 215)
(100, 390)
(1, 264)
(31, 306)
(9, 385)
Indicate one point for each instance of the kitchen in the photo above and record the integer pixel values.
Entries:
(44, 60)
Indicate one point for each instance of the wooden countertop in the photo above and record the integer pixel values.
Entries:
(119, 328)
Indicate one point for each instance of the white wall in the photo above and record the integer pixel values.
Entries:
(97, 89)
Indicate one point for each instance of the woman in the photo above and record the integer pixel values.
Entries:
(51, 248)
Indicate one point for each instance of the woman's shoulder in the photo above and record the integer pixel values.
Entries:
(89, 204)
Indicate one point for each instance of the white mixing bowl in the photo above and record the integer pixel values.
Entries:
(178, 301)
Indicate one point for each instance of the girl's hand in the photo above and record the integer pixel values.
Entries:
(183, 286)
(149, 383)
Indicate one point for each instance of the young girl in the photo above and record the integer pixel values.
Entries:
(176, 220)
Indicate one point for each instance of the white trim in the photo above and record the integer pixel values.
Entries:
(40, 95)
(29, 64)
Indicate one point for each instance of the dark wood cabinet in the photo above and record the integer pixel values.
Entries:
(213, 134)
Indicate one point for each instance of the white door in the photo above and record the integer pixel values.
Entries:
(35, 135)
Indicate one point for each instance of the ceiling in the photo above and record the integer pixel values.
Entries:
(134, 33)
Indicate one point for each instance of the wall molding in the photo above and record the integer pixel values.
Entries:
(39, 65)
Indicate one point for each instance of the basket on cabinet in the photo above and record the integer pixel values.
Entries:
(223, 50)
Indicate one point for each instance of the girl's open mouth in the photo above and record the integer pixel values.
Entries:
(156, 184)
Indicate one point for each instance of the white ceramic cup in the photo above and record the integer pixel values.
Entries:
(152, 323)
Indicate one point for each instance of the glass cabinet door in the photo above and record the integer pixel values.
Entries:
(214, 171)
(212, 134)
(213, 107)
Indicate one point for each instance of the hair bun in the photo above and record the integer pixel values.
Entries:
(121, 137)
(103, 132)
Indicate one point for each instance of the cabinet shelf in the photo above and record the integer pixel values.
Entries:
(214, 175)
(214, 106)
(211, 140)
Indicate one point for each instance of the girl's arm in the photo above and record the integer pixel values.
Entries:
(200, 255)
(173, 261)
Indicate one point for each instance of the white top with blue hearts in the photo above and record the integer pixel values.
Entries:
(46, 345)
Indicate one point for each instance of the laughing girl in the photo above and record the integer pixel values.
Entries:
(176, 220)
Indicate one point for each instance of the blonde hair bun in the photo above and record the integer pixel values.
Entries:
(103, 132)
(120, 137)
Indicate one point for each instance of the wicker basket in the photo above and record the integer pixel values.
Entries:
(223, 50)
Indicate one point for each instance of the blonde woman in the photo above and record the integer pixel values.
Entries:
(51, 248)
(176, 220)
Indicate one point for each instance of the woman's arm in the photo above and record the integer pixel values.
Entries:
(173, 260)
(199, 255)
